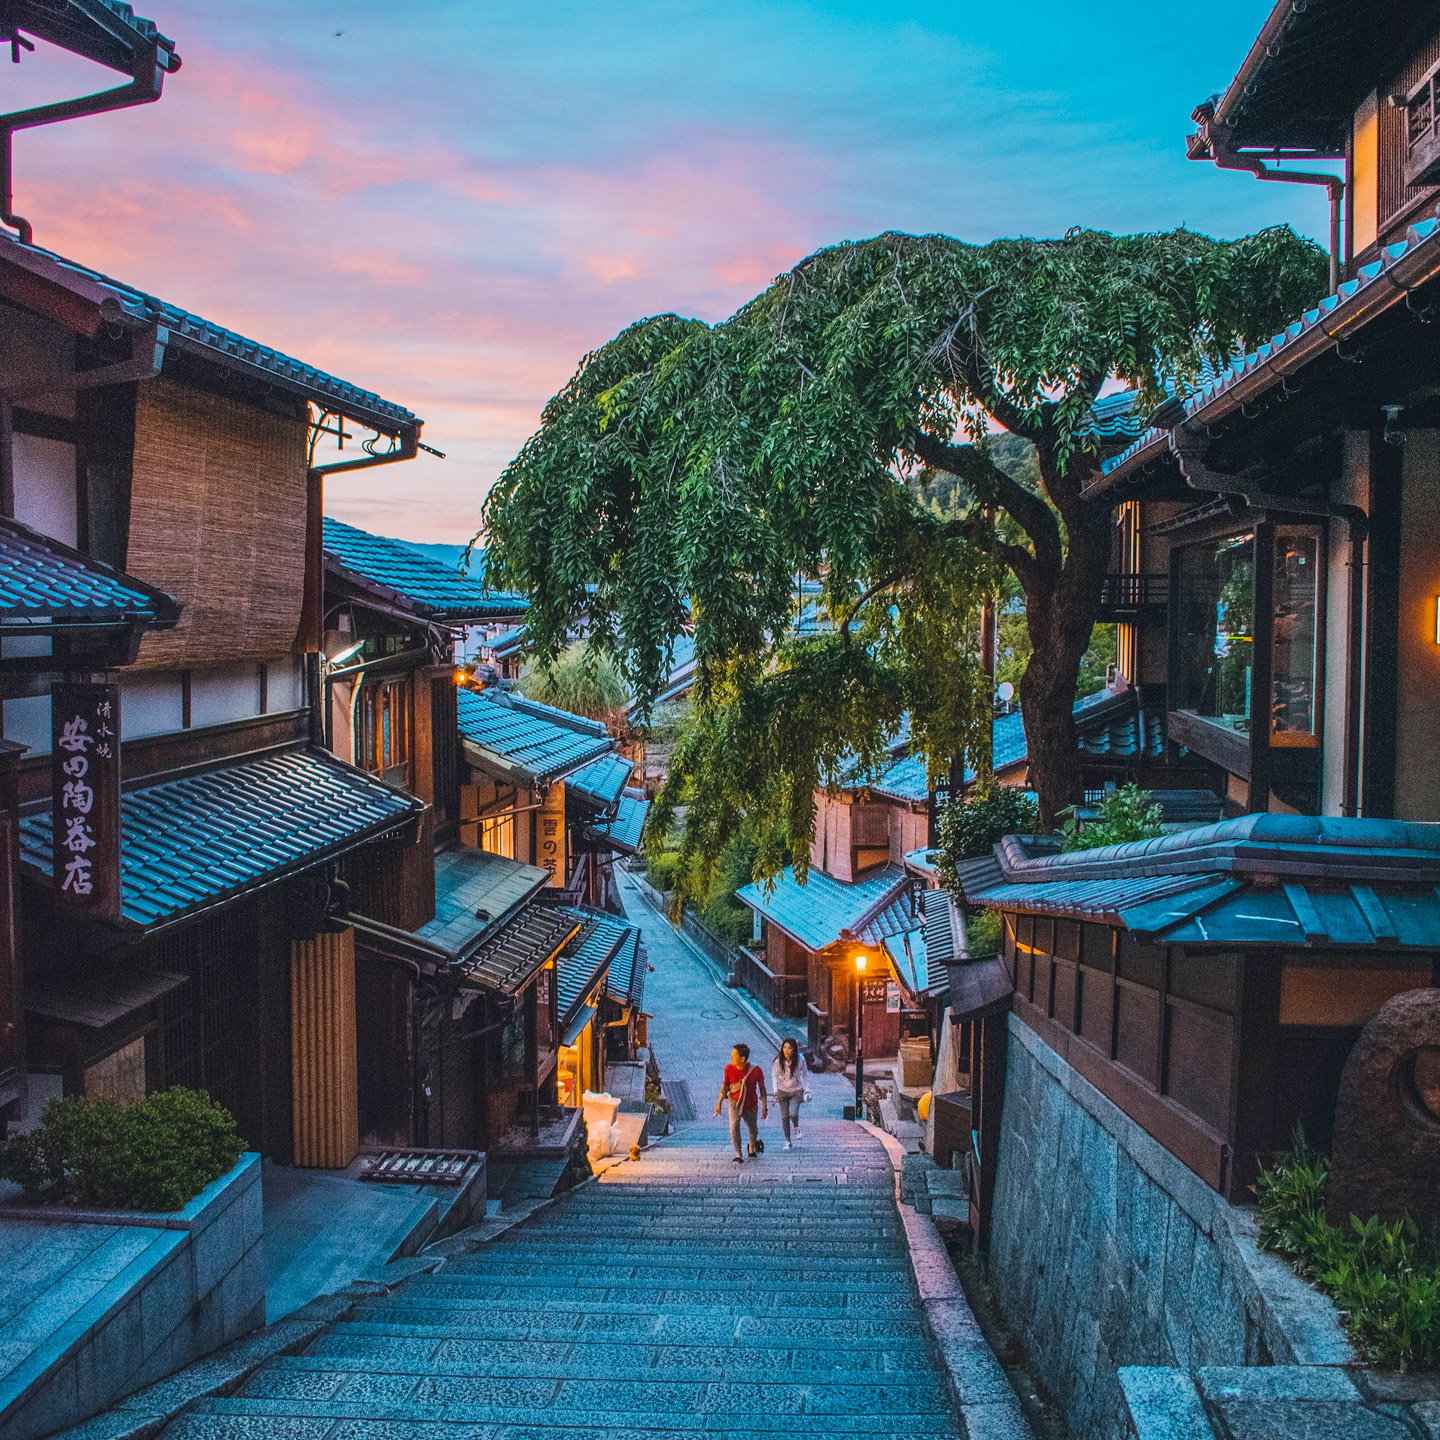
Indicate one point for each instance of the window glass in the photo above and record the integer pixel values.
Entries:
(1216, 630)
(1296, 590)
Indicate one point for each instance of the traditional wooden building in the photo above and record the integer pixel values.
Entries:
(208, 944)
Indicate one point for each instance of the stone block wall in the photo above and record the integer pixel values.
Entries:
(1108, 1252)
(190, 1283)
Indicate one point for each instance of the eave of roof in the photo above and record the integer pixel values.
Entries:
(203, 840)
(814, 914)
(525, 741)
(416, 582)
(41, 579)
(1376, 288)
(516, 951)
(625, 831)
(108, 32)
(227, 349)
(599, 784)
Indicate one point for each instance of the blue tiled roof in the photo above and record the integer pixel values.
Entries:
(816, 912)
(212, 342)
(430, 584)
(625, 980)
(1287, 880)
(580, 963)
(1402, 265)
(894, 918)
(906, 950)
(40, 577)
(1106, 726)
(625, 830)
(906, 779)
(600, 783)
(521, 737)
(191, 843)
(474, 891)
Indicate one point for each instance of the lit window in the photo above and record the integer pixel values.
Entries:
(497, 836)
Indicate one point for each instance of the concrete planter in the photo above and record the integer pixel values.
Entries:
(103, 1303)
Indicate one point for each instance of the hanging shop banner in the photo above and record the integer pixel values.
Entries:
(550, 840)
(85, 784)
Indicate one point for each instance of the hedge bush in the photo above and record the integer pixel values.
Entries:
(153, 1154)
(1385, 1283)
(661, 869)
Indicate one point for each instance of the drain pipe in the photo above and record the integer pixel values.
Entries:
(1217, 138)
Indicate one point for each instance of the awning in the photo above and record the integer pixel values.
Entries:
(584, 963)
(625, 979)
(624, 832)
(576, 1027)
(191, 844)
(473, 891)
(514, 953)
(94, 999)
(598, 785)
(978, 988)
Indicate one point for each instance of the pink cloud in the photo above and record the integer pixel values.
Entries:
(330, 228)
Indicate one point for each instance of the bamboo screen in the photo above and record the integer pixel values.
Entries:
(217, 519)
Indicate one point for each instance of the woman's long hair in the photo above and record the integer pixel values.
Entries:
(791, 1065)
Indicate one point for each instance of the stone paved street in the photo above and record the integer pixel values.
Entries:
(681, 1294)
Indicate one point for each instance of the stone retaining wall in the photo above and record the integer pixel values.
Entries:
(149, 1294)
(1108, 1252)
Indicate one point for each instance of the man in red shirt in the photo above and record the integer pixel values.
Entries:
(744, 1087)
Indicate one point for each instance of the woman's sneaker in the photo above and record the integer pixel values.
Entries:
(787, 1145)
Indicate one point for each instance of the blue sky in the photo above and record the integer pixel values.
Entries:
(451, 202)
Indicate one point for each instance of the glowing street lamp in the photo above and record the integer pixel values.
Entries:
(860, 958)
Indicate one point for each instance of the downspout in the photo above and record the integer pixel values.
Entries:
(1225, 156)
(1355, 666)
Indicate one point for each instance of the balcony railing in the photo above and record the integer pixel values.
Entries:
(1126, 596)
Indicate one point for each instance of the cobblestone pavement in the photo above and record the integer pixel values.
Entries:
(680, 1294)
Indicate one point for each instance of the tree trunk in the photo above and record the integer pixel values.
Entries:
(1060, 611)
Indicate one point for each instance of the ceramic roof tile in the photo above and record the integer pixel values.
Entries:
(625, 980)
(906, 779)
(816, 912)
(597, 944)
(907, 953)
(431, 584)
(601, 782)
(511, 954)
(474, 890)
(624, 832)
(192, 843)
(522, 737)
(39, 577)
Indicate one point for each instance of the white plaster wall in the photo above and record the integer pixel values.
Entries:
(45, 487)
(285, 684)
(150, 703)
(28, 721)
(228, 692)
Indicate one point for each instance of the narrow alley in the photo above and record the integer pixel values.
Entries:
(679, 1294)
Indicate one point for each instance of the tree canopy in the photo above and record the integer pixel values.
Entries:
(688, 474)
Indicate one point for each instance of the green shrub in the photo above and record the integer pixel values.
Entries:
(154, 1154)
(989, 811)
(1384, 1282)
(661, 869)
(982, 932)
(1125, 815)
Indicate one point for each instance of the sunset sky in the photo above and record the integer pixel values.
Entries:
(451, 202)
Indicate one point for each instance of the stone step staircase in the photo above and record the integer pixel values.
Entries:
(679, 1295)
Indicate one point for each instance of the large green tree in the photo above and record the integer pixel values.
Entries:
(687, 474)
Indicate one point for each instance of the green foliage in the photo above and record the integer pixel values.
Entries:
(580, 681)
(661, 867)
(989, 810)
(983, 932)
(1126, 814)
(1384, 1282)
(723, 914)
(687, 474)
(154, 1154)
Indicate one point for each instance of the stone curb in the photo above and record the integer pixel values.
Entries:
(977, 1381)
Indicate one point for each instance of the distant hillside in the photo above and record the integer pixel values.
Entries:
(447, 555)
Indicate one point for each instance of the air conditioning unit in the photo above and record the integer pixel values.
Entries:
(1422, 133)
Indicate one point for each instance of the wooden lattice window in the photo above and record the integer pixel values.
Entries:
(382, 729)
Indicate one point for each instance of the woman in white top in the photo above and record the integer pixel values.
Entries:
(790, 1085)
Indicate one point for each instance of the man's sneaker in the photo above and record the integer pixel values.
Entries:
(738, 1160)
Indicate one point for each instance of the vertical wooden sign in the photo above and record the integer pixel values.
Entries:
(551, 841)
(85, 783)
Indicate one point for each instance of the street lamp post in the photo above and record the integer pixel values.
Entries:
(859, 1037)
